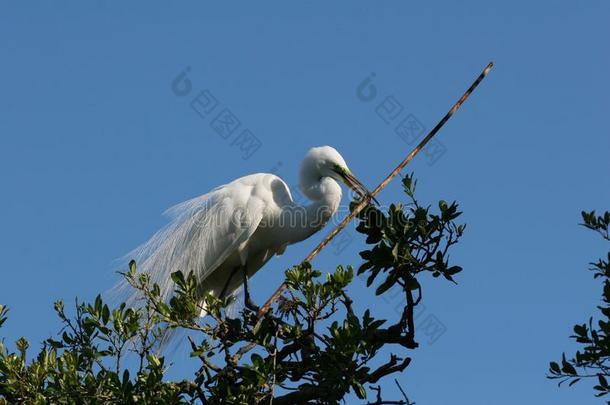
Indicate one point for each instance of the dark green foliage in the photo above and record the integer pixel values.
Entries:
(311, 348)
(85, 361)
(593, 359)
(409, 240)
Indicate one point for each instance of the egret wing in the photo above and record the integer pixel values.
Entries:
(202, 234)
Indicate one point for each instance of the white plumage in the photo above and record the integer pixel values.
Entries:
(239, 226)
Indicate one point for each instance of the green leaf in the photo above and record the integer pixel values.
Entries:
(178, 278)
(359, 389)
(386, 285)
(574, 381)
(105, 314)
(555, 367)
(453, 270)
(256, 360)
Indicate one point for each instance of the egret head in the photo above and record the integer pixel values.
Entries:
(325, 161)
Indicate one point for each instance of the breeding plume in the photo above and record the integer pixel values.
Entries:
(231, 232)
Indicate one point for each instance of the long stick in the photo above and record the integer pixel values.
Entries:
(367, 199)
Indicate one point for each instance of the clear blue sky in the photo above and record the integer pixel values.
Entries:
(94, 145)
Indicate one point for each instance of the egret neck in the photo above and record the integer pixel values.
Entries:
(303, 221)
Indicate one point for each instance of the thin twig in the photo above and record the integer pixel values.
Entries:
(403, 393)
(367, 199)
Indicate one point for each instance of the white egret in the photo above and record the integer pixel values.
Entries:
(236, 228)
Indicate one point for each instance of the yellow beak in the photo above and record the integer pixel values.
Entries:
(352, 182)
